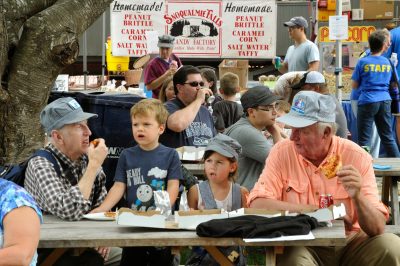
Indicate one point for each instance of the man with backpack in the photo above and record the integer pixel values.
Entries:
(74, 183)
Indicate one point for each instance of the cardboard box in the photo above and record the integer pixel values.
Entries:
(190, 153)
(328, 214)
(357, 14)
(238, 67)
(374, 9)
(191, 219)
(258, 212)
(152, 219)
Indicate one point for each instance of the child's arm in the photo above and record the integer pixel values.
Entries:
(245, 195)
(173, 190)
(112, 198)
(193, 197)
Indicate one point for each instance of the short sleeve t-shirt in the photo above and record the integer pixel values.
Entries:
(373, 75)
(12, 197)
(198, 133)
(298, 57)
(146, 171)
(156, 68)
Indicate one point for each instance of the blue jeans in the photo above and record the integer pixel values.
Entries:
(380, 112)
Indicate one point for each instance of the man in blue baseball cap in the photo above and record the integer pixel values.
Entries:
(77, 184)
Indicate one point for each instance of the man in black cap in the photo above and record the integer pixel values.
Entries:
(304, 54)
(259, 107)
(161, 67)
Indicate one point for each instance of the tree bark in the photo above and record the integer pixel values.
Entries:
(48, 43)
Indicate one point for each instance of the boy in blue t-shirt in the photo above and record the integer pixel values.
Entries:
(372, 76)
(142, 169)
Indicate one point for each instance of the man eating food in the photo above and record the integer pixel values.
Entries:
(294, 177)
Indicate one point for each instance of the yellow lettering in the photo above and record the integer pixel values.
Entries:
(372, 67)
(366, 68)
(378, 68)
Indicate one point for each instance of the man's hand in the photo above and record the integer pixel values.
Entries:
(201, 94)
(351, 180)
(96, 210)
(99, 153)
(104, 252)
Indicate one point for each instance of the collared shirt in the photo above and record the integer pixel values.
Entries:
(156, 68)
(289, 177)
(55, 194)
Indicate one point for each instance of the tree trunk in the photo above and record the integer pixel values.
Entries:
(49, 43)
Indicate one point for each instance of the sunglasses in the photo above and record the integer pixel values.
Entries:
(195, 83)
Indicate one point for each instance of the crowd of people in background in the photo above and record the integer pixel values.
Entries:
(265, 150)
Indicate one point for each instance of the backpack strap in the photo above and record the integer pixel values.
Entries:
(50, 157)
(236, 197)
(207, 195)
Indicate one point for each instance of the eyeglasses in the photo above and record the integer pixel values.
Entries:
(195, 83)
(268, 108)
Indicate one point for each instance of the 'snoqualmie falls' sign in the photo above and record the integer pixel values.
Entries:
(208, 28)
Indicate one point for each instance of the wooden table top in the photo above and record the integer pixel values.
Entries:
(56, 233)
(393, 162)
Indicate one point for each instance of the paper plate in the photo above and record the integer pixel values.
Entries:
(141, 61)
(98, 217)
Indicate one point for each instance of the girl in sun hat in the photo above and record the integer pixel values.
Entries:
(219, 191)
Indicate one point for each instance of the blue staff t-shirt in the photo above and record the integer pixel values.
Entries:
(146, 171)
(373, 75)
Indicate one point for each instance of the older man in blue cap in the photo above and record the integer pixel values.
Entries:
(79, 184)
(296, 175)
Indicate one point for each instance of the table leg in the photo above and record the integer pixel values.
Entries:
(218, 256)
(385, 189)
(395, 201)
(54, 256)
(270, 256)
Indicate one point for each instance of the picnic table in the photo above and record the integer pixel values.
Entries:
(390, 177)
(61, 235)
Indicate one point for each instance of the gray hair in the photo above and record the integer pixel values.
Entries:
(322, 125)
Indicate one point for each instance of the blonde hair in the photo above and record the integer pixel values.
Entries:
(229, 83)
(283, 106)
(162, 95)
(148, 107)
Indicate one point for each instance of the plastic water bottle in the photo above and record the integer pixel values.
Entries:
(393, 59)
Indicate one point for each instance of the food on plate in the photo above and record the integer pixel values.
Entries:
(95, 142)
(331, 166)
(110, 214)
